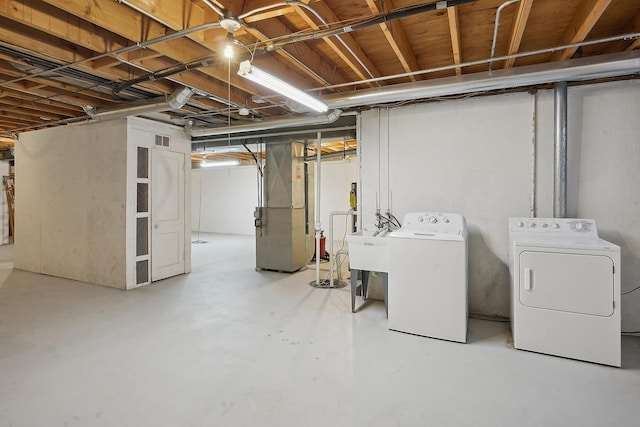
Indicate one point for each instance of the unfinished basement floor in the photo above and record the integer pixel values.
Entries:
(229, 346)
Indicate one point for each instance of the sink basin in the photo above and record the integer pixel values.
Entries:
(368, 250)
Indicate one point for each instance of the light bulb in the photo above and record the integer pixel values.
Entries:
(228, 51)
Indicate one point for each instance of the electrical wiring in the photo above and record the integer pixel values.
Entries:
(632, 290)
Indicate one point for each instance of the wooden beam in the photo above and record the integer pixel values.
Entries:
(588, 14)
(323, 72)
(519, 25)
(396, 37)
(636, 29)
(132, 25)
(337, 47)
(454, 29)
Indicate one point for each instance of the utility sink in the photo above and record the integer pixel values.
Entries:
(368, 250)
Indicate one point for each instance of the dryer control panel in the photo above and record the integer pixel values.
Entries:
(554, 226)
(434, 222)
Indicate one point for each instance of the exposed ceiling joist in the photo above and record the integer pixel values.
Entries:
(454, 29)
(396, 37)
(519, 25)
(586, 17)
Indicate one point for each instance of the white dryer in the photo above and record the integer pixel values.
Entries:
(565, 289)
(427, 290)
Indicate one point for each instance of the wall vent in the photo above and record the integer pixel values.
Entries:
(162, 141)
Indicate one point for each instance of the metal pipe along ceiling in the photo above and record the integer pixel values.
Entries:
(277, 123)
(176, 101)
(582, 69)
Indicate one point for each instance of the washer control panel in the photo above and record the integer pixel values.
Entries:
(434, 222)
(564, 226)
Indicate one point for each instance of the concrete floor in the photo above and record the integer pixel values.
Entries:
(226, 345)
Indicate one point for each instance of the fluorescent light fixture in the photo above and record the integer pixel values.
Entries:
(265, 79)
(221, 164)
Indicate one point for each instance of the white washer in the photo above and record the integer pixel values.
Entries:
(428, 276)
(565, 289)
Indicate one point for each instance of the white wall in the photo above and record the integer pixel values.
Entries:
(229, 197)
(70, 202)
(335, 185)
(474, 157)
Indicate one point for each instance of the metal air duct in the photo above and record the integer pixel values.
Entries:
(591, 68)
(277, 123)
(175, 101)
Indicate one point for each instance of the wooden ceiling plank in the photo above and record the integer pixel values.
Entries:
(48, 105)
(136, 27)
(322, 70)
(586, 17)
(519, 25)
(636, 29)
(396, 37)
(12, 114)
(454, 29)
(337, 47)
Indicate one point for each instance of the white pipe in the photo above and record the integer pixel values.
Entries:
(316, 206)
(495, 30)
(331, 215)
(629, 36)
(581, 69)
(534, 129)
(274, 123)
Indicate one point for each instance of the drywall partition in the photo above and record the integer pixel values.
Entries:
(76, 199)
(223, 199)
(474, 156)
(4, 205)
(71, 202)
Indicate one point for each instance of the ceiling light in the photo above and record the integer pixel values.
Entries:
(230, 24)
(228, 46)
(265, 79)
(243, 111)
(206, 164)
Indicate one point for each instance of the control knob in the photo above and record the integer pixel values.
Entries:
(433, 220)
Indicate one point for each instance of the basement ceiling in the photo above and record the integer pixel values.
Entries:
(59, 57)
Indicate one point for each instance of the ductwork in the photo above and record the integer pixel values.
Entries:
(175, 101)
(591, 68)
(277, 123)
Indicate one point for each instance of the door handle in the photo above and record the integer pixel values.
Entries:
(527, 278)
(156, 226)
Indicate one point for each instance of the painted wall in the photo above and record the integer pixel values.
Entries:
(229, 197)
(475, 157)
(76, 199)
(223, 199)
(70, 196)
(4, 206)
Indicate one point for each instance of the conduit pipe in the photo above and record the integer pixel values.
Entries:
(630, 36)
(316, 205)
(591, 68)
(560, 151)
(277, 123)
(177, 100)
(495, 30)
(350, 212)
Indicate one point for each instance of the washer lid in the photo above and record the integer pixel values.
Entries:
(405, 234)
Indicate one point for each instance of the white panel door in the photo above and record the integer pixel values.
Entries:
(574, 283)
(167, 214)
